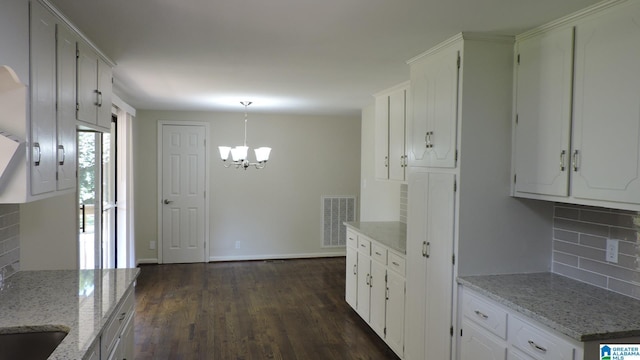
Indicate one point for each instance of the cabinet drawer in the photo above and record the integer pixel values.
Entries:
(352, 239)
(396, 263)
(485, 314)
(116, 324)
(364, 245)
(538, 343)
(379, 253)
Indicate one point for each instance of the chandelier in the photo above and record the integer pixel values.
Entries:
(239, 153)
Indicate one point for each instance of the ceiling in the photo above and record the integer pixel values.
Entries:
(324, 57)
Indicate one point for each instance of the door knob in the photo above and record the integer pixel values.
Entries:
(167, 201)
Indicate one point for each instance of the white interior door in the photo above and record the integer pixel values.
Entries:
(182, 182)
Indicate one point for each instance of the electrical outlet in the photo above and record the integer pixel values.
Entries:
(612, 250)
(152, 245)
(237, 244)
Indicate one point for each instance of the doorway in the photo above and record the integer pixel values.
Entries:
(97, 198)
(182, 187)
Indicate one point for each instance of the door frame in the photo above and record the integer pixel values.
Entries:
(159, 197)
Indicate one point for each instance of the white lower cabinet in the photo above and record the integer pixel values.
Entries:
(116, 341)
(490, 331)
(375, 287)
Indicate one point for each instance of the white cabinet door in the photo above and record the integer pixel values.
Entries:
(429, 266)
(397, 150)
(105, 75)
(94, 88)
(364, 286)
(66, 122)
(43, 100)
(395, 312)
(87, 92)
(378, 298)
(351, 281)
(606, 127)
(477, 344)
(127, 341)
(434, 93)
(544, 82)
(381, 151)
(416, 267)
(439, 255)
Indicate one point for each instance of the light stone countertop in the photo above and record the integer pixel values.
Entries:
(78, 301)
(393, 234)
(581, 311)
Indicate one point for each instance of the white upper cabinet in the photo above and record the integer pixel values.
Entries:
(94, 89)
(390, 132)
(434, 96)
(606, 126)
(66, 95)
(599, 163)
(544, 67)
(43, 100)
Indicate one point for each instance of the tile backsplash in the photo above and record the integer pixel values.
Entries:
(580, 236)
(9, 240)
(404, 190)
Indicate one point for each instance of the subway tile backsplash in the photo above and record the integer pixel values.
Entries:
(9, 240)
(580, 236)
(404, 202)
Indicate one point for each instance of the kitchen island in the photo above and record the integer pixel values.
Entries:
(84, 303)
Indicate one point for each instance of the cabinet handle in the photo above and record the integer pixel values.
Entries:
(536, 346)
(427, 139)
(368, 281)
(386, 294)
(98, 98)
(575, 160)
(122, 316)
(424, 248)
(36, 146)
(355, 269)
(386, 161)
(427, 250)
(378, 253)
(395, 263)
(479, 313)
(61, 147)
(562, 159)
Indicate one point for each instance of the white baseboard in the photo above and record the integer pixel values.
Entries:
(147, 261)
(342, 252)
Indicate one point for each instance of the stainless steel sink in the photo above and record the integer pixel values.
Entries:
(29, 345)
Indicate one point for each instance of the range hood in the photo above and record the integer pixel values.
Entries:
(12, 111)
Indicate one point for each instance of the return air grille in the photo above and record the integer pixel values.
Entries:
(335, 211)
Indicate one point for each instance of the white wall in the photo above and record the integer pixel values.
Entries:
(274, 212)
(379, 200)
(48, 234)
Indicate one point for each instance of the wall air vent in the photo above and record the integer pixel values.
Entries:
(335, 211)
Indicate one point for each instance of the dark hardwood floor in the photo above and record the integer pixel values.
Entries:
(283, 309)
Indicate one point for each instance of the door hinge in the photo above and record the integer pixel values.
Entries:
(455, 185)
(518, 59)
(515, 176)
(516, 119)
(451, 330)
(385, 331)
(77, 54)
(56, 176)
(453, 259)
(460, 332)
(458, 61)
(385, 278)
(455, 157)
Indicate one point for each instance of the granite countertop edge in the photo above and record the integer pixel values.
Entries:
(27, 305)
(543, 317)
(392, 234)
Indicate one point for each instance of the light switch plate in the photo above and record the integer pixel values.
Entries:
(612, 250)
